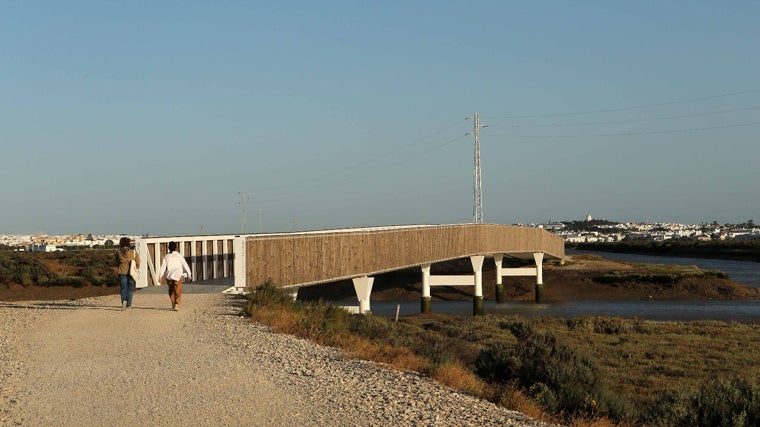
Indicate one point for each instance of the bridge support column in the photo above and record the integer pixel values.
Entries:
(477, 299)
(238, 263)
(425, 300)
(363, 288)
(497, 259)
(539, 258)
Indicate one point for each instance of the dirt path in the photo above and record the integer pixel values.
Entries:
(98, 365)
(89, 363)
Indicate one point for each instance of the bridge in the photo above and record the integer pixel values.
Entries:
(298, 259)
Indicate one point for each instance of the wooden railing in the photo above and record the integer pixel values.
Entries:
(307, 258)
(298, 259)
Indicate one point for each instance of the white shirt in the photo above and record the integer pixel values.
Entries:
(174, 266)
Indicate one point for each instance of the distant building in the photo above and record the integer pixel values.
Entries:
(43, 248)
(589, 218)
(552, 226)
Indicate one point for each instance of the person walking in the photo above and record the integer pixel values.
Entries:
(174, 270)
(124, 255)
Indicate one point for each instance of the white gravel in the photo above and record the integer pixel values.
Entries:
(87, 363)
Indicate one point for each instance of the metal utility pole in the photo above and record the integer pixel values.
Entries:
(243, 198)
(477, 204)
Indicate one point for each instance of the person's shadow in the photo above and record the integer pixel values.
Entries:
(72, 305)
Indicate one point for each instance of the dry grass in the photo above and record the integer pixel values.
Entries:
(280, 320)
(513, 398)
(595, 422)
(456, 376)
(400, 358)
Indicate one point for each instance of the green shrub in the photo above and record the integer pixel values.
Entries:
(497, 363)
(734, 403)
(554, 374)
(545, 396)
(267, 294)
(66, 280)
(717, 403)
(323, 322)
(372, 327)
(672, 409)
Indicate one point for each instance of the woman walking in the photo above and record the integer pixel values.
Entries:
(124, 255)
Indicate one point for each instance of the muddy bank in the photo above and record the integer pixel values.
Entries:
(580, 277)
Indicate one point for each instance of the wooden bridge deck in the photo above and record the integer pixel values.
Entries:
(308, 258)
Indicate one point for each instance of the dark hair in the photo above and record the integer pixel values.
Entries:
(125, 242)
(172, 246)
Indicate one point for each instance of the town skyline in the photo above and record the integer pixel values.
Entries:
(648, 230)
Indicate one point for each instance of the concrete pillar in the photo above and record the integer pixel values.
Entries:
(204, 257)
(497, 259)
(141, 246)
(363, 288)
(238, 263)
(477, 299)
(194, 260)
(425, 300)
(539, 258)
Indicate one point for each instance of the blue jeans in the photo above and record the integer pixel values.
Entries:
(127, 284)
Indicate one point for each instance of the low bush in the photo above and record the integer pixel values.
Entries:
(558, 377)
(266, 295)
(719, 402)
(604, 325)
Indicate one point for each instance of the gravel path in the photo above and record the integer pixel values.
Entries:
(88, 363)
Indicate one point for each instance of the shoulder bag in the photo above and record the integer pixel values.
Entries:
(134, 272)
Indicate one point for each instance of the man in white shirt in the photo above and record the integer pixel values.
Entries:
(174, 270)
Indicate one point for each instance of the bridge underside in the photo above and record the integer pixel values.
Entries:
(309, 258)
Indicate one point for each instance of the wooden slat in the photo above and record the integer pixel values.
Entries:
(309, 258)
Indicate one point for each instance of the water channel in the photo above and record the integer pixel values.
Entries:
(746, 272)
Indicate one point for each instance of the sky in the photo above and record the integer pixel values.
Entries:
(198, 117)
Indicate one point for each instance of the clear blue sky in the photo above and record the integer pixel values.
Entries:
(153, 117)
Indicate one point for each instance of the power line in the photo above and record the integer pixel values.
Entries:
(318, 188)
(630, 133)
(635, 107)
(682, 116)
(374, 159)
